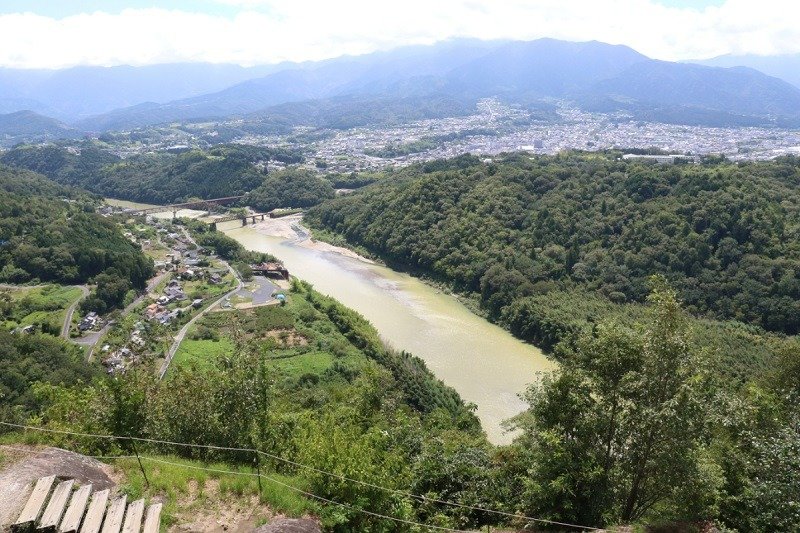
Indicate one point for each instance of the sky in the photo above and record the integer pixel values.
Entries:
(64, 33)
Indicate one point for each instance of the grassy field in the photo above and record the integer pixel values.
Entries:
(307, 363)
(201, 353)
(44, 305)
(295, 339)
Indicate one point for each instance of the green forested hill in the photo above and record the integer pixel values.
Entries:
(726, 235)
(290, 188)
(155, 178)
(51, 233)
(653, 417)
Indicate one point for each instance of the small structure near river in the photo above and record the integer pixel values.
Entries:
(271, 270)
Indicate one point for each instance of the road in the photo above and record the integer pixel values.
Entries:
(71, 311)
(173, 349)
(90, 340)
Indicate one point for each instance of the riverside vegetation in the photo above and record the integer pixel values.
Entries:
(716, 440)
(561, 250)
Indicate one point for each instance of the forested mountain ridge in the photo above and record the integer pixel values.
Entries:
(30, 126)
(163, 178)
(516, 71)
(783, 66)
(724, 234)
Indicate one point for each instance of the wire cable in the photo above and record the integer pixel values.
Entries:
(306, 493)
(317, 470)
(35, 451)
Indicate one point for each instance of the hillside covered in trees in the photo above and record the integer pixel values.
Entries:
(161, 178)
(51, 233)
(353, 421)
(725, 235)
(290, 188)
(598, 260)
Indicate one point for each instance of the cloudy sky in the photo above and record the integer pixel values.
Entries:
(61, 33)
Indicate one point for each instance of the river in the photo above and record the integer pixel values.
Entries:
(483, 362)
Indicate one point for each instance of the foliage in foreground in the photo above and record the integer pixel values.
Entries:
(354, 418)
(635, 427)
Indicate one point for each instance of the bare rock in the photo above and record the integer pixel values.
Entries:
(17, 480)
(290, 525)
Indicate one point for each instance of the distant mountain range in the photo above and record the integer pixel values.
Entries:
(785, 66)
(29, 126)
(79, 92)
(454, 74)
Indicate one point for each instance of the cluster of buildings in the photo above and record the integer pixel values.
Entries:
(497, 128)
(115, 361)
(89, 322)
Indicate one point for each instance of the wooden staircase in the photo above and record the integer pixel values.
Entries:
(67, 508)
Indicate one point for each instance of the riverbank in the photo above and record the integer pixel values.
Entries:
(484, 363)
(340, 244)
(291, 228)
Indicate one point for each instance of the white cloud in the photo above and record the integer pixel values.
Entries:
(267, 31)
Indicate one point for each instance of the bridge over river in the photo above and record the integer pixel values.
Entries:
(200, 205)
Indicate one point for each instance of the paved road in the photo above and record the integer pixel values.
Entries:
(182, 333)
(90, 340)
(71, 311)
(262, 291)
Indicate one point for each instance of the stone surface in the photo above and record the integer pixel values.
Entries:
(290, 525)
(16, 480)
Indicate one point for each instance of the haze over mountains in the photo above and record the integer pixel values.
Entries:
(75, 93)
(453, 74)
(785, 66)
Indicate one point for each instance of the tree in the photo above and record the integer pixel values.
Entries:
(618, 431)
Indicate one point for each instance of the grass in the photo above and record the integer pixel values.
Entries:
(201, 289)
(185, 486)
(322, 345)
(42, 305)
(188, 487)
(307, 363)
(201, 353)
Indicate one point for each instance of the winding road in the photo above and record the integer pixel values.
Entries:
(90, 340)
(71, 311)
(173, 349)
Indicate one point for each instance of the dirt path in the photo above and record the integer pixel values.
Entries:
(71, 311)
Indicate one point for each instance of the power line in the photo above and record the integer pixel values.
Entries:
(317, 470)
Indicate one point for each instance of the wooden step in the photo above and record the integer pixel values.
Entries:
(56, 505)
(72, 518)
(94, 516)
(133, 518)
(152, 523)
(36, 500)
(116, 511)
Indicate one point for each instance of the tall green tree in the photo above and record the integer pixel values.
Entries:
(619, 430)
